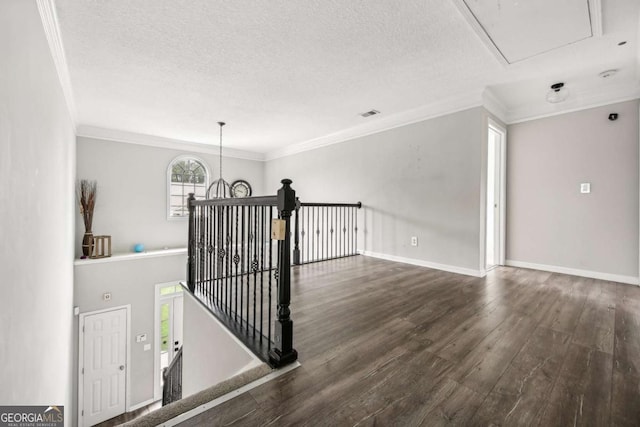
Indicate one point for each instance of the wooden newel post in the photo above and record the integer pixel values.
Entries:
(283, 352)
(191, 248)
(296, 236)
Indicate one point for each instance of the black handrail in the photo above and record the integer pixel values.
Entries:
(348, 205)
(240, 201)
(172, 377)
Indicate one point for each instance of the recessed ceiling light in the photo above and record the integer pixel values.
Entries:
(558, 93)
(622, 43)
(608, 73)
(370, 113)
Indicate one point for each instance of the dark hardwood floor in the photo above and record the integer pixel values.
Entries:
(391, 344)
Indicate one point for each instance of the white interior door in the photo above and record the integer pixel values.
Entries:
(495, 198)
(103, 367)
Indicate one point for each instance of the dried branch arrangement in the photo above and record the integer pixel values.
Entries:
(87, 191)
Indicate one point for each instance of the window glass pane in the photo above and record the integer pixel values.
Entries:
(164, 327)
(188, 175)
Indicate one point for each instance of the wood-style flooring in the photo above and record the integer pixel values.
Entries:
(391, 344)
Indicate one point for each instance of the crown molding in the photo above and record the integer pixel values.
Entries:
(383, 123)
(495, 106)
(49, 18)
(593, 100)
(162, 142)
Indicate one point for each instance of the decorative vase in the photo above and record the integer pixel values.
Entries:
(87, 244)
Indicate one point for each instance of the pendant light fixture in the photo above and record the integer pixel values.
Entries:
(219, 189)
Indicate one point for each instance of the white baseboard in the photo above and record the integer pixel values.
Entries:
(575, 272)
(141, 405)
(428, 264)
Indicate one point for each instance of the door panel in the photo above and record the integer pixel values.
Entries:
(104, 359)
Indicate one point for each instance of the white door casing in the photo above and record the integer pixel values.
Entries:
(103, 364)
(174, 300)
(495, 228)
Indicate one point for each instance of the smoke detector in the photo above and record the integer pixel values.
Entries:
(558, 93)
(608, 73)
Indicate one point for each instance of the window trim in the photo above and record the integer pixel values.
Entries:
(168, 182)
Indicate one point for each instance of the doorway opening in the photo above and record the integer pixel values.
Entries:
(168, 329)
(496, 179)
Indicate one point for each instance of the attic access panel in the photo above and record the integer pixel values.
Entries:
(521, 29)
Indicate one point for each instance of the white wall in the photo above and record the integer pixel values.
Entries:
(130, 281)
(37, 166)
(422, 180)
(210, 353)
(549, 223)
(132, 191)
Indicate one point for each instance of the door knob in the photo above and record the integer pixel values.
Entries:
(122, 367)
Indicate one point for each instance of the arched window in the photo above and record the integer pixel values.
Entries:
(186, 174)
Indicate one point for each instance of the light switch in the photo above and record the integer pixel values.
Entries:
(147, 347)
(585, 187)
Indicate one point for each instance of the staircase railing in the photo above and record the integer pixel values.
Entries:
(234, 267)
(172, 380)
(324, 231)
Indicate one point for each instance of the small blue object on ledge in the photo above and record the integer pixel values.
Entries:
(139, 247)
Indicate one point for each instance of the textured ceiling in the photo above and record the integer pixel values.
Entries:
(286, 72)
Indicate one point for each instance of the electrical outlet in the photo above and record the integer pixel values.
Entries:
(414, 241)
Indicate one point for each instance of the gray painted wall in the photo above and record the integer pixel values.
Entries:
(211, 354)
(130, 281)
(132, 191)
(37, 166)
(548, 221)
(423, 180)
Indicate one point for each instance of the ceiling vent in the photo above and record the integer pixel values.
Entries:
(370, 113)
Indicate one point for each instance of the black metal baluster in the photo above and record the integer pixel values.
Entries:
(227, 278)
(207, 232)
(236, 260)
(262, 240)
(355, 230)
(190, 249)
(201, 277)
(254, 266)
(305, 235)
(323, 231)
(248, 264)
(242, 266)
(270, 275)
(296, 235)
